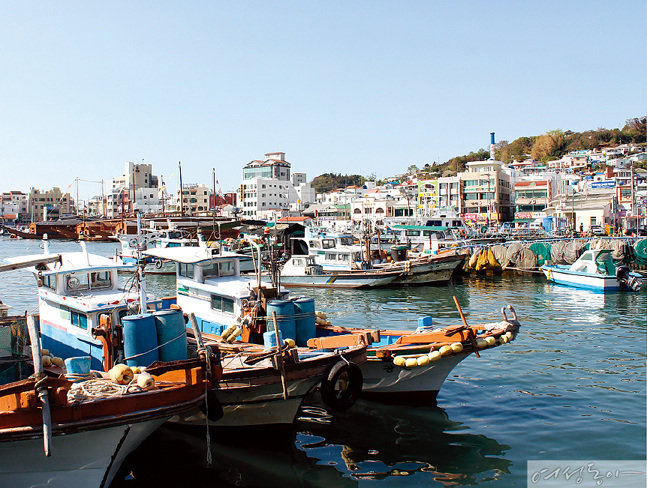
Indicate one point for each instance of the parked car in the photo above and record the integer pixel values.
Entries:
(597, 230)
(641, 231)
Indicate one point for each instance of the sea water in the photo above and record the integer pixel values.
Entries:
(570, 387)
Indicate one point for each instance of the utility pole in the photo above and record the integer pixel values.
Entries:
(132, 200)
(77, 197)
(214, 190)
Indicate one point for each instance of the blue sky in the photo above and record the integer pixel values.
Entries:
(346, 87)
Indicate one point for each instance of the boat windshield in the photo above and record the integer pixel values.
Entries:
(605, 265)
(95, 280)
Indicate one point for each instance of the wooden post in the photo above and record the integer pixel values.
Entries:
(41, 389)
(279, 357)
(470, 333)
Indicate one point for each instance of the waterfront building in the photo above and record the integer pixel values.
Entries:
(449, 194)
(128, 191)
(14, 206)
(194, 199)
(49, 204)
(487, 192)
(268, 190)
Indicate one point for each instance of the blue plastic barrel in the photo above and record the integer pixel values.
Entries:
(304, 320)
(284, 318)
(269, 339)
(424, 323)
(140, 336)
(170, 327)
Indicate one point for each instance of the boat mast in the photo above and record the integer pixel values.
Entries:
(140, 266)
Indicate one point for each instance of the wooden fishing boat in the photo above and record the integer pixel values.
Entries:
(87, 427)
(594, 270)
(98, 316)
(263, 383)
(405, 366)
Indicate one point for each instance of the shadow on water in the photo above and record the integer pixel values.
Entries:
(404, 446)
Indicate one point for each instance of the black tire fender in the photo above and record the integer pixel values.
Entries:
(349, 377)
(159, 264)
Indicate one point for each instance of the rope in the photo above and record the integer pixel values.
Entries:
(99, 388)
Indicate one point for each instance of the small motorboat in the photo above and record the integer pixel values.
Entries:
(594, 270)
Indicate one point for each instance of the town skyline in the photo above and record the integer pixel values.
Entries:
(373, 86)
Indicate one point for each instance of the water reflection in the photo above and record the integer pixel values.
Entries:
(422, 444)
(370, 441)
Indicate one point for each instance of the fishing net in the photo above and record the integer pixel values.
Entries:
(500, 254)
(512, 253)
(557, 252)
(574, 250)
(542, 251)
(640, 253)
(526, 259)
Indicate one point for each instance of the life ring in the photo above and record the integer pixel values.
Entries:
(342, 386)
(462, 233)
(159, 264)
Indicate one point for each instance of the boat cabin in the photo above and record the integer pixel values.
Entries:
(595, 261)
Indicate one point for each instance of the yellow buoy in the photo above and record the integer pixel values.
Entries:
(58, 362)
(510, 336)
(423, 360)
(44, 352)
(481, 343)
(121, 374)
(399, 361)
(46, 360)
(457, 347)
(290, 342)
(411, 363)
(434, 356)
(135, 369)
(145, 381)
(491, 341)
(445, 350)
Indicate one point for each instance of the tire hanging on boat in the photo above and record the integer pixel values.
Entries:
(342, 386)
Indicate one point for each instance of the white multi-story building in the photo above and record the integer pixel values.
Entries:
(269, 191)
(128, 189)
(13, 205)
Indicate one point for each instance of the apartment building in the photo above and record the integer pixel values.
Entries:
(45, 204)
(486, 192)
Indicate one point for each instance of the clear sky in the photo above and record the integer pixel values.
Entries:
(339, 86)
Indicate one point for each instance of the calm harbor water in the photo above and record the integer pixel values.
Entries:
(570, 387)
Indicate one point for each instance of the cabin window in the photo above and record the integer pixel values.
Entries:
(412, 233)
(298, 262)
(49, 281)
(100, 279)
(209, 270)
(222, 304)
(587, 257)
(79, 320)
(328, 243)
(186, 270)
(77, 282)
(227, 269)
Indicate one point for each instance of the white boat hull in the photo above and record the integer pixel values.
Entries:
(84, 459)
(383, 379)
(591, 281)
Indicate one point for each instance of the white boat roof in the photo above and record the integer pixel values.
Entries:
(71, 261)
(191, 255)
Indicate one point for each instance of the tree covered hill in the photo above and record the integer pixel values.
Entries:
(546, 147)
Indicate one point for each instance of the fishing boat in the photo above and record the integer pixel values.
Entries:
(154, 239)
(264, 381)
(302, 271)
(421, 270)
(594, 270)
(409, 367)
(59, 431)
